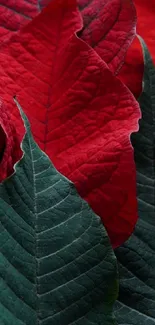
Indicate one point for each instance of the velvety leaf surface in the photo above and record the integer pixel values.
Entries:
(108, 24)
(136, 303)
(16, 13)
(109, 27)
(56, 262)
(9, 144)
(132, 70)
(81, 115)
(146, 9)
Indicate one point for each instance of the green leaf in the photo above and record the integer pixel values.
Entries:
(136, 304)
(57, 266)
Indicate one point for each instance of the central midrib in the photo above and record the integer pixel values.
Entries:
(50, 85)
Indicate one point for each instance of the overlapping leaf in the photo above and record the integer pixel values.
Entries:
(109, 27)
(132, 71)
(14, 14)
(81, 115)
(146, 9)
(136, 303)
(108, 24)
(56, 262)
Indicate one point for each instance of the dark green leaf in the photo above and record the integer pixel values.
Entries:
(56, 263)
(136, 304)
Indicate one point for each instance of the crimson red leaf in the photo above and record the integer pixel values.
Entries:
(132, 70)
(82, 115)
(146, 9)
(14, 14)
(109, 27)
(108, 24)
(10, 151)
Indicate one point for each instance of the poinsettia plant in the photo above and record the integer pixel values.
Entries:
(82, 115)
(69, 159)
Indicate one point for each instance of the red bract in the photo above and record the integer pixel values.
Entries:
(146, 10)
(9, 144)
(14, 14)
(132, 70)
(108, 24)
(81, 115)
(109, 27)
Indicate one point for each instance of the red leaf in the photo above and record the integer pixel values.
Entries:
(81, 115)
(146, 13)
(132, 70)
(10, 151)
(109, 27)
(108, 24)
(14, 14)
